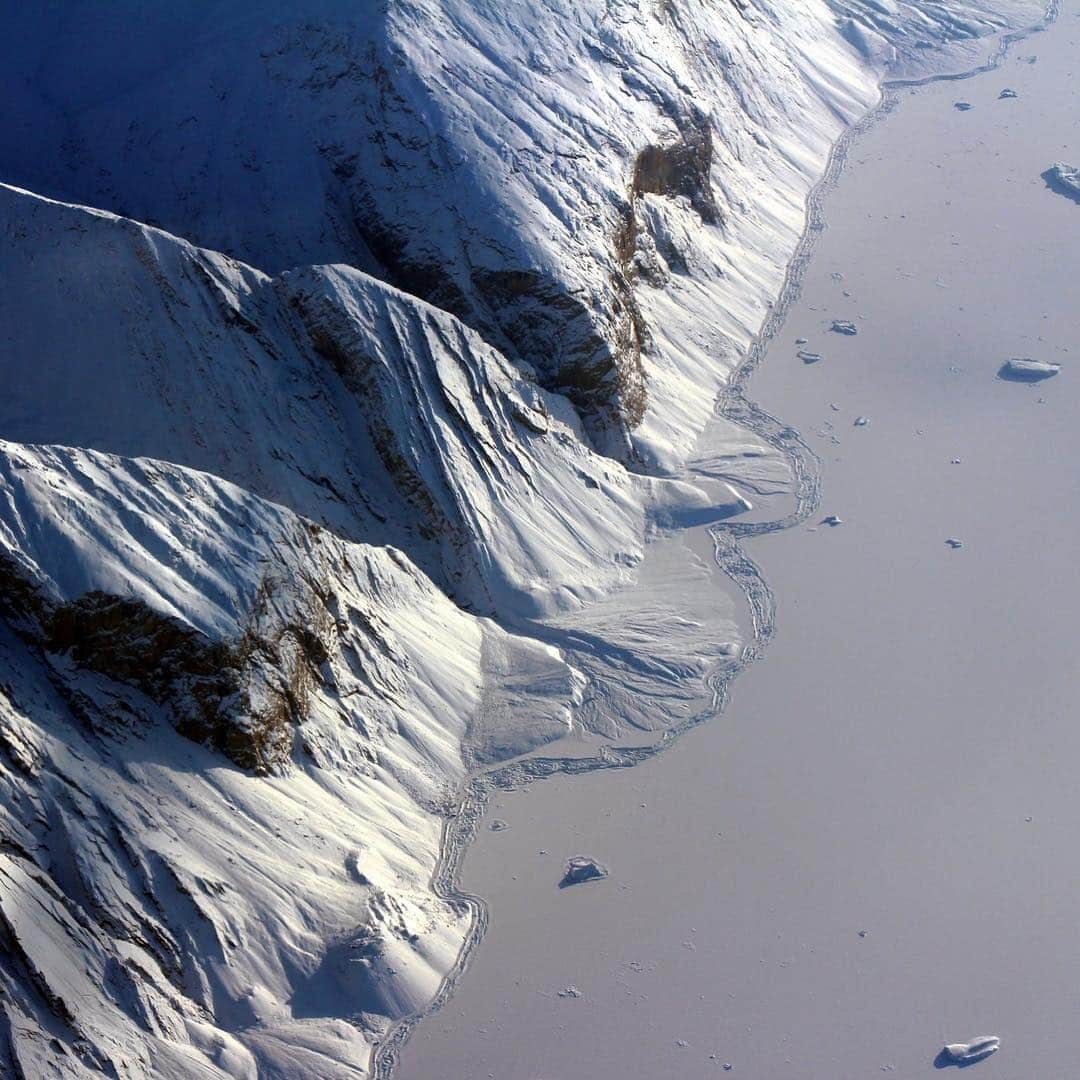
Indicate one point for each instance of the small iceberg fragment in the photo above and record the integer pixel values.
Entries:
(498, 826)
(1064, 179)
(1007, 93)
(569, 992)
(809, 357)
(581, 869)
(862, 421)
(963, 106)
(832, 520)
(843, 326)
(800, 341)
(1023, 369)
(968, 1053)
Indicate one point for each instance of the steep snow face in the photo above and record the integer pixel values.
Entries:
(323, 389)
(606, 191)
(163, 912)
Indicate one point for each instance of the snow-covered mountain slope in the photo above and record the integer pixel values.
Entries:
(606, 191)
(485, 243)
(322, 389)
(165, 912)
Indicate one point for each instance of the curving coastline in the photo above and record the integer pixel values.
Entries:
(461, 826)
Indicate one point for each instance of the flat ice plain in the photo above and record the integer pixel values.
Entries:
(872, 853)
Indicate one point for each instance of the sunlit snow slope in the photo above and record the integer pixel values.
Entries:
(226, 736)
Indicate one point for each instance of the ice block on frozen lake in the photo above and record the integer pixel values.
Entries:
(581, 869)
(1064, 179)
(1027, 370)
(982, 1046)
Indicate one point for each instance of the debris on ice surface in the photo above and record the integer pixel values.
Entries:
(843, 326)
(498, 826)
(862, 421)
(832, 520)
(1064, 179)
(963, 106)
(800, 341)
(981, 1047)
(1027, 370)
(1007, 93)
(810, 357)
(581, 869)
(955, 544)
(569, 992)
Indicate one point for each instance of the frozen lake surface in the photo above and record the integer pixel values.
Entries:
(872, 852)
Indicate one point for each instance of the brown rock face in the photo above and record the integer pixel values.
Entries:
(680, 168)
(241, 697)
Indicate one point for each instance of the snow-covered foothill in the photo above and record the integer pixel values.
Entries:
(226, 737)
(910, 39)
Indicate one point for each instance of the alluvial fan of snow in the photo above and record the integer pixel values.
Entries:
(442, 282)
(910, 35)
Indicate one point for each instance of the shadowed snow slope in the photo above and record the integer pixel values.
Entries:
(162, 910)
(607, 191)
(323, 389)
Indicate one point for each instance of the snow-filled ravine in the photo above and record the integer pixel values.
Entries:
(355, 359)
(870, 855)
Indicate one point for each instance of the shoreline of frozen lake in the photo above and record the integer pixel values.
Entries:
(625, 942)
